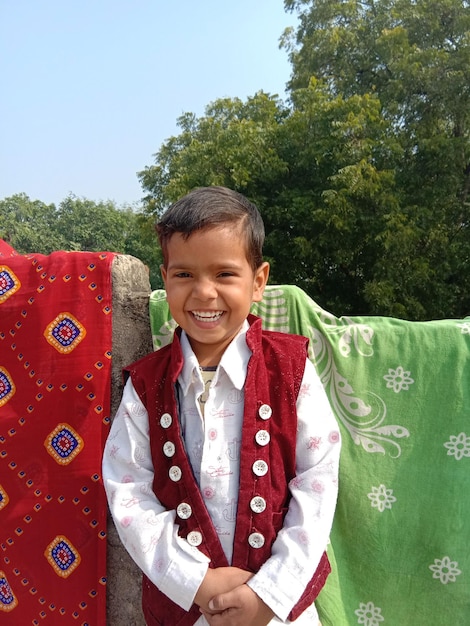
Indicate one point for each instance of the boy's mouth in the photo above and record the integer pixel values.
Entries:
(207, 316)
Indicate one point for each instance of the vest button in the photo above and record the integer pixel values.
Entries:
(169, 448)
(260, 467)
(265, 411)
(184, 510)
(166, 420)
(262, 437)
(194, 538)
(257, 504)
(256, 540)
(175, 473)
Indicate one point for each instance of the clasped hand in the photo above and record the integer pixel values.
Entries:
(225, 600)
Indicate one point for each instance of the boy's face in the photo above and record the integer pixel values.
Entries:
(210, 286)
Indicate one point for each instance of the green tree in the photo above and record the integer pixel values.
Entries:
(233, 145)
(103, 226)
(317, 171)
(141, 242)
(88, 225)
(29, 225)
(415, 57)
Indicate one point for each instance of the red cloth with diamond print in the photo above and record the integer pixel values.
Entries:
(55, 360)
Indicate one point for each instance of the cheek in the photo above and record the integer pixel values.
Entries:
(174, 298)
(173, 291)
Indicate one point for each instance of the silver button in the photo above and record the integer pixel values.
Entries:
(184, 510)
(260, 467)
(175, 473)
(265, 411)
(262, 437)
(194, 538)
(166, 420)
(169, 448)
(257, 504)
(256, 540)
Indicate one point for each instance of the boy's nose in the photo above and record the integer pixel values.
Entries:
(204, 289)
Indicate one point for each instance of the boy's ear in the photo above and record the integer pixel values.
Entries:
(163, 273)
(260, 280)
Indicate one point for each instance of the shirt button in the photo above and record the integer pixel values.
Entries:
(260, 467)
(265, 411)
(166, 420)
(184, 510)
(169, 448)
(194, 538)
(262, 437)
(256, 540)
(175, 473)
(257, 504)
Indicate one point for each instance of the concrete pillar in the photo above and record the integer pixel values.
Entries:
(131, 340)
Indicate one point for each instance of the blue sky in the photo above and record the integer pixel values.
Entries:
(91, 89)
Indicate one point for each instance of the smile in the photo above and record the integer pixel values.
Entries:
(207, 316)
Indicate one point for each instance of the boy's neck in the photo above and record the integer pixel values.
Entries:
(205, 354)
(210, 355)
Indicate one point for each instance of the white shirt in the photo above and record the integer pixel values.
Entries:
(149, 532)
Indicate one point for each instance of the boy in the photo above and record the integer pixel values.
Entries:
(222, 461)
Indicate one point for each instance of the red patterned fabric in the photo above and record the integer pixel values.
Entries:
(6, 250)
(55, 362)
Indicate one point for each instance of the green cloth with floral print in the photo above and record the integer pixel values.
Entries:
(401, 393)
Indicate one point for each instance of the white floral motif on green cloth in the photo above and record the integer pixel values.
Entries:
(398, 379)
(465, 328)
(445, 570)
(369, 615)
(381, 498)
(458, 446)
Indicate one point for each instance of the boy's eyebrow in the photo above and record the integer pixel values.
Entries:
(217, 265)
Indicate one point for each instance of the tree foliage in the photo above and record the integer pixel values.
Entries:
(415, 57)
(30, 226)
(363, 176)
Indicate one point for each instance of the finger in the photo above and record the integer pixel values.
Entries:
(216, 619)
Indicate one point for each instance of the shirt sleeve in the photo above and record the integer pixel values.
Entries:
(303, 538)
(147, 530)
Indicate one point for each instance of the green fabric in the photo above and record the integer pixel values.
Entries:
(400, 545)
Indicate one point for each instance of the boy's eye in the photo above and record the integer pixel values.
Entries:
(225, 274)
(182, 275)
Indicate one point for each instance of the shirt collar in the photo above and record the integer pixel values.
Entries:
(234, 361)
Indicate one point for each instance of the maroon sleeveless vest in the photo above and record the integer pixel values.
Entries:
(273, 380)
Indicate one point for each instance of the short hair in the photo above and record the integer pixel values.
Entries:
(211, 207)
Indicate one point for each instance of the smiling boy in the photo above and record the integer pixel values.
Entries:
(214, 486)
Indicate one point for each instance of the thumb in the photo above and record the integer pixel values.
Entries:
(216, 603)
(222, 602)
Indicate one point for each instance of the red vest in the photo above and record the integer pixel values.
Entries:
(272, 384)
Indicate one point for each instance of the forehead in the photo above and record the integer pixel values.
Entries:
(217, 245)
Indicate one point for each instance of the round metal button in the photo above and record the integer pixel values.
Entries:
(262, 437)
(169, 448)
(175, 473)
(194, 538)
(184, 510)
(257, 504)
(256, 540)
(166, 420)
(260, 467)
(265, 411)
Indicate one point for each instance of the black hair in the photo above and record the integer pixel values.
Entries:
(211, 207)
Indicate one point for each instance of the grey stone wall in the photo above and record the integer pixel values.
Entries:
(131, 340)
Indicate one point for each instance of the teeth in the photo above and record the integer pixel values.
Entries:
(207, 316)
